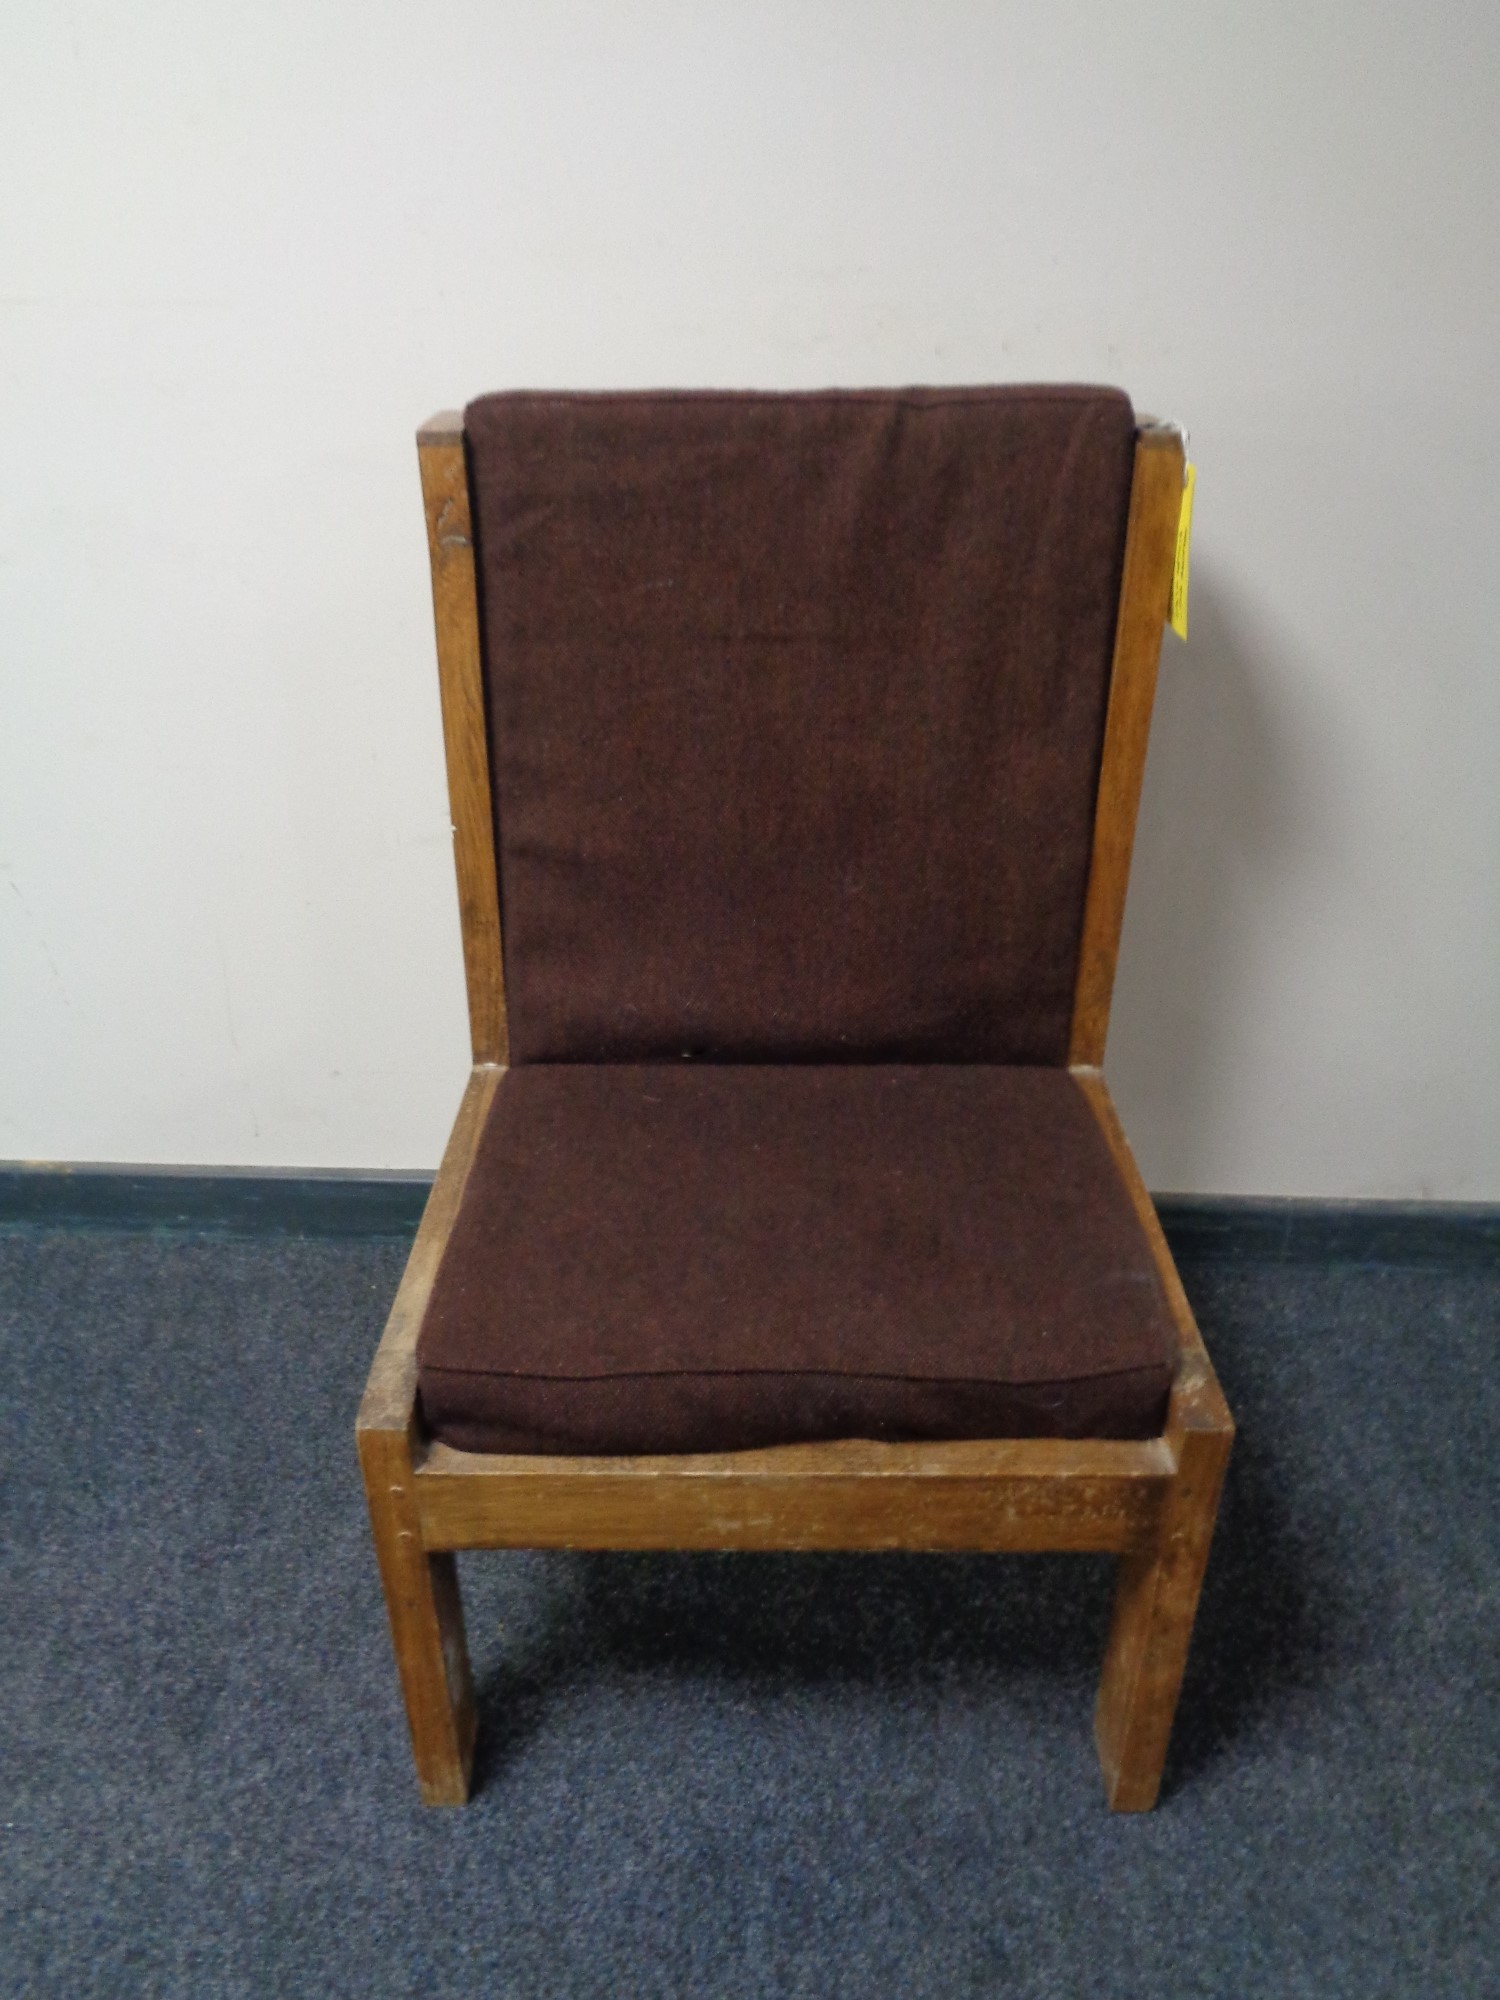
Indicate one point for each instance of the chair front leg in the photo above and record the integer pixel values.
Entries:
(427, 1623)
(1155, 1603)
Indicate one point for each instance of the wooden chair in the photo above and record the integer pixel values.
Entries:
(917, 485)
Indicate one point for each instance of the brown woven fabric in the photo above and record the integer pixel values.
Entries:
(707, 1257)
(796, 704)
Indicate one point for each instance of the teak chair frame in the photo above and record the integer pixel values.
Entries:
(1151, 1502)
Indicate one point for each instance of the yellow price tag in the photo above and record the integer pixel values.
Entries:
(1180, 560)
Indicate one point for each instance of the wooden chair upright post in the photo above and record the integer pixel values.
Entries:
(1150, 538)
(455, 599)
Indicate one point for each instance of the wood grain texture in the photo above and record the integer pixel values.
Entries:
(1156, 1598)
(421, 1588)
(1016, 1494)
(1156, 1603)
(1145, 589)
(455, 599)
(1196, 1394)
(390, 1397)
(427, 1627)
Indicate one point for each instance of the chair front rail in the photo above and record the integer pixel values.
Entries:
(1014, 1494)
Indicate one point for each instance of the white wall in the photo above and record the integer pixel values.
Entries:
(243, 250)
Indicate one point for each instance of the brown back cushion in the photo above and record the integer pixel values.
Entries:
(795, 707)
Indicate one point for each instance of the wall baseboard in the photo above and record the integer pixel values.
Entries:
(214, 1201)
(256, 1201)
(1262, 1229)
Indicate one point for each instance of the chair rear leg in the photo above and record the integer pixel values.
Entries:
(427, 1624)
(1155, 1604)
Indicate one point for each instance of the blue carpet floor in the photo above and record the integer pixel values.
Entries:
(725, 1776)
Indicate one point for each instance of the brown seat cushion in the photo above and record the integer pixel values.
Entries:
(688, 1257)
(795, 708)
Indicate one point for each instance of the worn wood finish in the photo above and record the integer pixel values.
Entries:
(427, 1627)
(1196, 1383)
(1156, 1602)
(450, 544)
(421, 1588)
(1156, 1598)
(1015, 1494)
(1145, 589)
(390, 1397)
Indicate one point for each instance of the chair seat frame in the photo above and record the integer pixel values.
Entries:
(1150, 1502)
